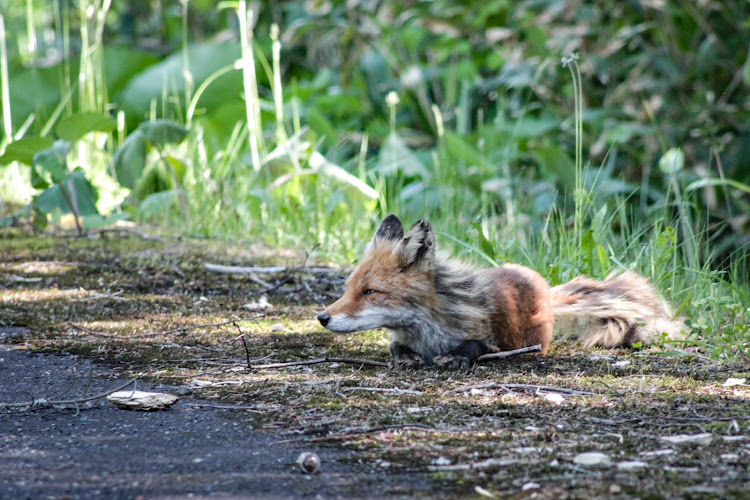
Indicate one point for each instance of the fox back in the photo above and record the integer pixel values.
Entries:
(433, 304)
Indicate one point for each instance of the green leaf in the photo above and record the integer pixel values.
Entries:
(155, 179)
(97, 221)
(487, 247)
(396, 157)
(161, 132)
(715, 181)
(603, 259)
(23, 150)
(460, 150)
(205, 59)
(74, 127)
(158, 203)
(528, 127)
(587, 245)
(555, 161)
(52, 163)
(352, 185)
(130, 159)
(77, 188)
(178, 166)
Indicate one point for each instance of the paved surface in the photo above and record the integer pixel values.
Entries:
(100, 451)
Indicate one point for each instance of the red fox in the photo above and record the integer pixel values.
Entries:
(444, 312)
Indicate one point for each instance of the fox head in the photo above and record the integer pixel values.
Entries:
(395, 271)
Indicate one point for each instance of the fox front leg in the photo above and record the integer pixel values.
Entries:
(462, 356)
(404, 358)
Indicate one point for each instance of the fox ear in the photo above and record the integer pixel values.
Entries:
(390, 229)
(418, 247)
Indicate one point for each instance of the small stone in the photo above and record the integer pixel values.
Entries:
(592, 459)
(730, 458)
(656, 453)
(530, 486)
(731, 382)
(632, 465)
(554, 398)
(308, 462)
(140, 400)
(615, 489)
(688, 439)
(619, 364)
(441, 461)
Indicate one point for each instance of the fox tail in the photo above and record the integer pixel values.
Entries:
(621, 310)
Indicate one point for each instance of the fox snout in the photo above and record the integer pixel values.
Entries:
(324, 318)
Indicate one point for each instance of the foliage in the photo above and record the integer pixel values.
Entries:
(301, 123)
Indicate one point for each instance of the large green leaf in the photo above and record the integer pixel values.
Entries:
(72, 128)
(79, 191)
(396, 157)
(460, 150)
(555, 161)
(528, 127)
(161, 132)
(23, 150)
(130, 159)
(205, 59)
(716, 181)
(158, 203)
(50, 166)
(122, 63)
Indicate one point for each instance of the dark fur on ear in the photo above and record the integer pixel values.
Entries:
(418, 247)
(390, 229)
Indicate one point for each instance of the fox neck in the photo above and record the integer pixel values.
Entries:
(459, 311)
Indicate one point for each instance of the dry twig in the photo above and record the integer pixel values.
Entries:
(507, 354)
(351, 361)
(45, 403)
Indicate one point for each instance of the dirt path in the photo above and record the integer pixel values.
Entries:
(100, 451)
(512, 429)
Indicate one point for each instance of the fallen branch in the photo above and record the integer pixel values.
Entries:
(507, 354)
(181, 329)
(485, 464)
(218, 268)
(534, 387)
(351, 361)
(383, 389)
(45, 403)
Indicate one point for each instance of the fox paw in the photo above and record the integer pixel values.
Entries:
(406, 362)
(452, 362)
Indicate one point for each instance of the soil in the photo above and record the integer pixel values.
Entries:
(80, 316)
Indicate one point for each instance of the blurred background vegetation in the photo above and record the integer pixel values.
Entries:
(574, 137)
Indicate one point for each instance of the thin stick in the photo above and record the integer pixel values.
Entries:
(383, 389)
(507, 354)
(44, 403)
(218, 268)
(351, 361)
(485, 464)
(244, 344)
(535, 387)
(154, 334)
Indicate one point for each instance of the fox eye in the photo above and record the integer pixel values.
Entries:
(368, 291)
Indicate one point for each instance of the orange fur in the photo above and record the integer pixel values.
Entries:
(439, 308)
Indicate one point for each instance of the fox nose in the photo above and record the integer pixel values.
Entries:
(324, 319)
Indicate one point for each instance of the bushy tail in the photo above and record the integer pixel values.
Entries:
(623, 309)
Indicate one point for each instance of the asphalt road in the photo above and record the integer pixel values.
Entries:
(100, 451)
